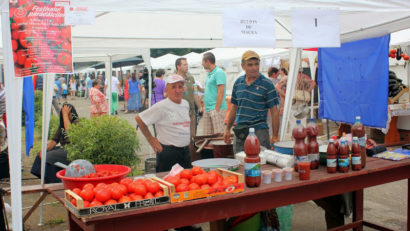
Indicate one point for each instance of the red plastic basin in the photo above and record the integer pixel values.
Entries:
(78, 182)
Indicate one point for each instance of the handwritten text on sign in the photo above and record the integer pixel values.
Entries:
(315, 28)
(248, 28)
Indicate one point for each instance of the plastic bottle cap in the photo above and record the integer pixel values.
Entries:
(251, 129)
(298, 121)
(312, 120)
(331, 140)
(357, 117)
(355, 138)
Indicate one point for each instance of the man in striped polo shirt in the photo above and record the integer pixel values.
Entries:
(252, 96)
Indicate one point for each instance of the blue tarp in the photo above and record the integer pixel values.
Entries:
(28, 105)
(353, 81)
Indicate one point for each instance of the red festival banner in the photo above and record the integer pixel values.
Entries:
(41, 42)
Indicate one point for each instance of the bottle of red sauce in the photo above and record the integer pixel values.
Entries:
(356, 155)
(313, 147)
(343, 157)
(300, 148)
(252, 160)
(331, 157)
(335, 141)
(359, 131)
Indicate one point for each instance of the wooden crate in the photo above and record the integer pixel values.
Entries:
(203, 193)
(80, 211)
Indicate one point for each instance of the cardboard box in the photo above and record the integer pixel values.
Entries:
(203, 193)
(80, 211)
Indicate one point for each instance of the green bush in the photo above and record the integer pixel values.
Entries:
(103, 140)
(53, 126)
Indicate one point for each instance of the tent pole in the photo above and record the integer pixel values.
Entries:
(295, 54)
(108, 77)
(48, 81)
(313, 76)
(14, 96)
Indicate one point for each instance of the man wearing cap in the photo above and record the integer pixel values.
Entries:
(252, 96)
(171, 119)
(214, 96)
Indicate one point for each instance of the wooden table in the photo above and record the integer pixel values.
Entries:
(321, 185)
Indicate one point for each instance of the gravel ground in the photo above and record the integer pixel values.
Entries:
(384, 204)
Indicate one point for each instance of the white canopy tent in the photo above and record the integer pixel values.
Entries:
(121, 27)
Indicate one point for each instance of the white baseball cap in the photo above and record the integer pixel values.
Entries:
(173, 78)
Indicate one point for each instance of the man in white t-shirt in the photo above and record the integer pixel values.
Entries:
(172, 123)
(115, 91)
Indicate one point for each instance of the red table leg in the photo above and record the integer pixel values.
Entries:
(358, 208)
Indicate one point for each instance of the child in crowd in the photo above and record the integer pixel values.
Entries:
(65, 92)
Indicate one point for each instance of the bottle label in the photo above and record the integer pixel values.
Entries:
(313, 157)
(331, 163)
(362, 141)
(343, 162)
(300, 158)
(252, 169)
(356, 160)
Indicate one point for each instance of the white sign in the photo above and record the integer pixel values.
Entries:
(79, 15)
(315, 28)
(248, 28)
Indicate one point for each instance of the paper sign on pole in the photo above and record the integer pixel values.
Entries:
(40, 41)
(248, 28)
(79, 15)
(315, 28)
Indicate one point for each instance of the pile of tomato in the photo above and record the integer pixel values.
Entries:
(119, 192)
(101, 173)
(197, 178)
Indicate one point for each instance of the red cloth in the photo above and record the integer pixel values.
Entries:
(126, 88)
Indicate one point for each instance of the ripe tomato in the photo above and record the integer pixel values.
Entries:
(76, 191)
(86, 204)
(183, 181)
(140, 189)
(193, 186)
(52, 33)
(126, 181)
(15, 35)
(139, 181)
(153, 187)
(95, 203)
(197, 170)
(147, 182)
(406, 57)
(159, 194)
(149, 196)
(74, 202)
(135, 197)
(64, 58)
(123, 188)
(173, 180)
(201, 179)
(212, 172)
(65, 33)
(182, 188)
(205, 186)
(14, 58)
(186, 173)
(125, 199)
(116, 192)
(21, 57)
(103, 195)
(212, 178)
(110, 202)
(87, 194)
(14, 44)
(101, 185)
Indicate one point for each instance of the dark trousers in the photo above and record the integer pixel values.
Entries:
(332, 206)
(57, 154)
(171, 155)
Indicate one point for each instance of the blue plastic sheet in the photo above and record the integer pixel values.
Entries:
(353, 81)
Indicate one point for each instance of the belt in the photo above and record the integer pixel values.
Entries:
(175, 147)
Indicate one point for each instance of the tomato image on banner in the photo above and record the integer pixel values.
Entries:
(40, 41)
